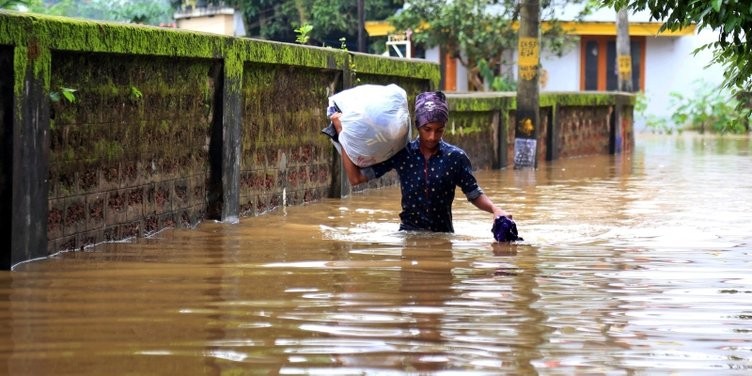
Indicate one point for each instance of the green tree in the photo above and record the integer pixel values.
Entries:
(330, 19)
(482, 34)
(732, 19)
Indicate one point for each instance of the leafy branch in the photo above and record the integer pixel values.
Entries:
(65, 94)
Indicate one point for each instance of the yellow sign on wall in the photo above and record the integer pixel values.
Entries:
(528, 57)
(625, 65)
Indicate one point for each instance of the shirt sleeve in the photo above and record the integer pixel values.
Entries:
(378, 170)
(467, 181)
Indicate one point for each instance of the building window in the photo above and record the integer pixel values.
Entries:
(598, 63)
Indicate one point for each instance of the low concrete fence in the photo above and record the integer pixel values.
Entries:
(571, 124)
(113, 131)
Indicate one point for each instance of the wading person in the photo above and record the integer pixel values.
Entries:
(429, 170)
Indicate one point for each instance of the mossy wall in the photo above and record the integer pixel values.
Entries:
(475, 133)
(168, 127)
(129, 155)
(284, 156)
(584, 130)
(571, 124)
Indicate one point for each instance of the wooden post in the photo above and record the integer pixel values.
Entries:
(528, 62)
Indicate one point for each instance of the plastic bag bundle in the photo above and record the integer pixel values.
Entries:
(375, 122)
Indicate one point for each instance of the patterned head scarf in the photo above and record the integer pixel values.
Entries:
(431, 107)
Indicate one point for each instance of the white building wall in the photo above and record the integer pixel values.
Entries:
(433, 55)
(670, 66)
(562, 73)
(461, 78)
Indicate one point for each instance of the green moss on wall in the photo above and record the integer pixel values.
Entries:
(258, 51)
(30, 62)
(497, 100)
(108, 124)
(283, 107)
(20, 61)
(378, 65)
(68, 34)
(468, 123)
(479, 102)
(577, 99)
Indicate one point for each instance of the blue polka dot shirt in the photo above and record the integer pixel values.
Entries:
(428, 186)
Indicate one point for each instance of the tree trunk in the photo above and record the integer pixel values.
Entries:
(361, 26)
(623, 55)
(528, 68)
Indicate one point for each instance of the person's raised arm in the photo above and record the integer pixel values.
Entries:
(354, 176)
(484, 203)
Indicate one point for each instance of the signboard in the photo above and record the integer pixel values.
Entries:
(625, 66)
(525, 147)
(528, 58)
(524, 152)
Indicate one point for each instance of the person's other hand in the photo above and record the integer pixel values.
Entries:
(336, 122)
(499, 212)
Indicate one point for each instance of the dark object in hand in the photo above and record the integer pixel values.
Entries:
(329, 130)
(505, 230)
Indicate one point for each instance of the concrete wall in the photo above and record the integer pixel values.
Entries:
(164, 128)
(571, 124)
(167, 128)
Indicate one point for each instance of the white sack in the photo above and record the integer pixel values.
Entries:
(375, 122)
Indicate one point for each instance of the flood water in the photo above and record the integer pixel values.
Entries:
(637, 264)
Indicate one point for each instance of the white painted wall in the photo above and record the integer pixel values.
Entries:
(461, 78)
(670, 66)
(563, 72)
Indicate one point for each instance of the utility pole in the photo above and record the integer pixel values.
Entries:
(624, 78)
(361, 26)
(623, 53)
(528, 63)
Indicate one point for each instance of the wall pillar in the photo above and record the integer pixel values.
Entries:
(6, 148)
(232, 121)
(25, 153)
(623, 135)
(552, 146)
(499, 139)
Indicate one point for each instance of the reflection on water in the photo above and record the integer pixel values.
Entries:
(630, 264)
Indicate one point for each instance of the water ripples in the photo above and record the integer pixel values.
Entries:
(630, 265)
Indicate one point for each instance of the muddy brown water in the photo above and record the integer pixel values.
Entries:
(636, 264)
